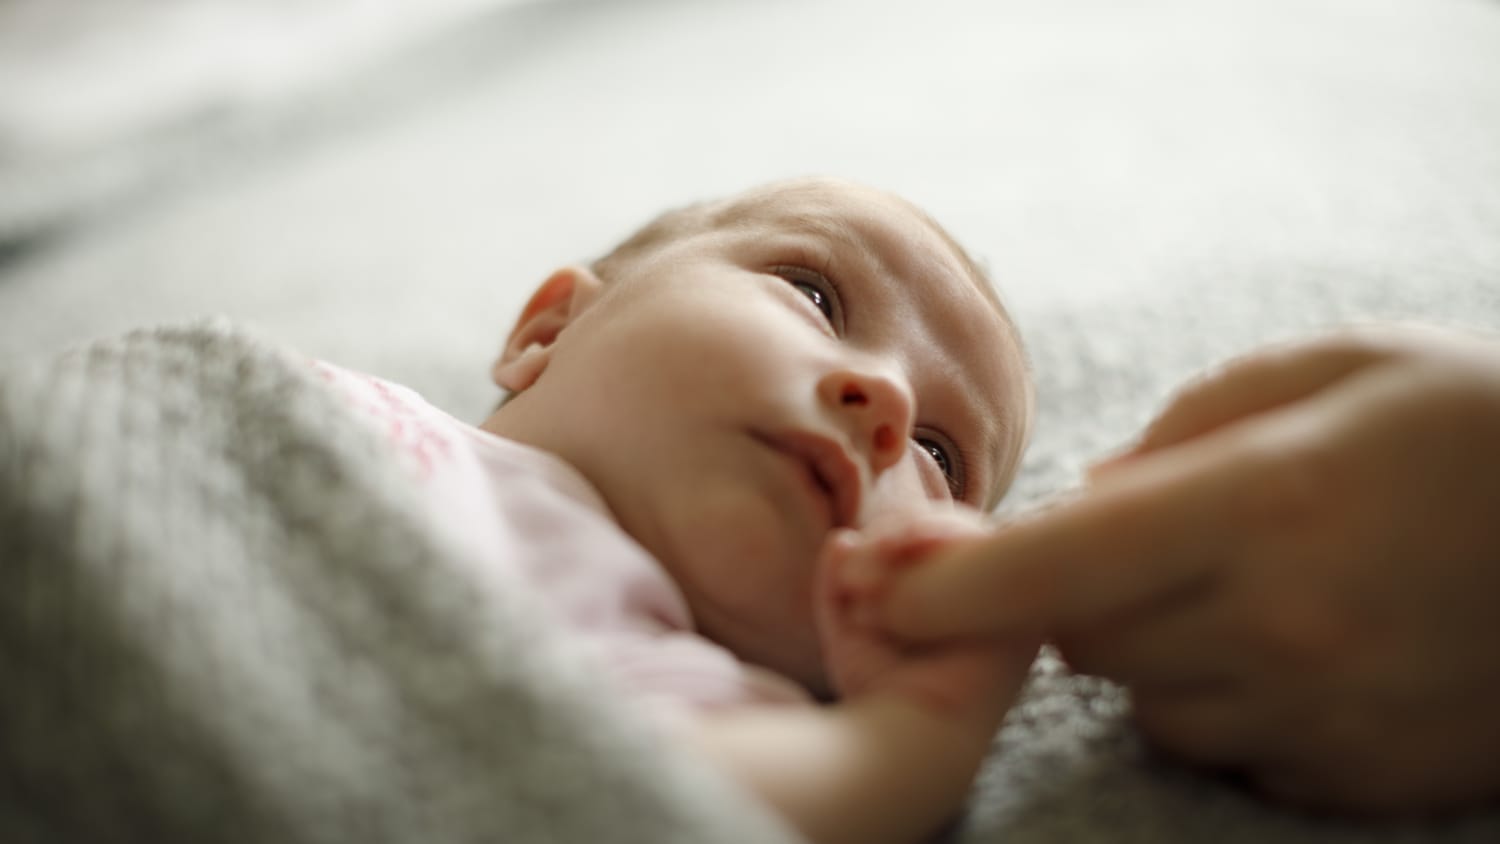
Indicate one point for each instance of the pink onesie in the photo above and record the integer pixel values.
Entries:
(527, 510)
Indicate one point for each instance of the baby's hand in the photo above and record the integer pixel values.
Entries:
(957, 678)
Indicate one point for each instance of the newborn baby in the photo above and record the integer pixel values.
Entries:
(718, 440)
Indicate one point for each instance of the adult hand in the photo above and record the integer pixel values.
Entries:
(1296, 572)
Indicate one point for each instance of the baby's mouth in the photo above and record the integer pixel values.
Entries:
(828, 467)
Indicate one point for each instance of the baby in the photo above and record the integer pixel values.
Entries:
(720, 436)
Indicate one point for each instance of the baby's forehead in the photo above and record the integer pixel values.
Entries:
(819, 205)
(842, 212)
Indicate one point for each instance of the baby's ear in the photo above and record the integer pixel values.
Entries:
(552, 307)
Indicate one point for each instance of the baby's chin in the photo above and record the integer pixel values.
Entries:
(810, 674)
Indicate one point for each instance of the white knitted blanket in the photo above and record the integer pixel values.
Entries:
(226, 620)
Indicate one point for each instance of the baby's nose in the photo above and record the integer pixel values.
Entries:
(876, 410)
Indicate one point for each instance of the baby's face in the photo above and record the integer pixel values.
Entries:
(819, 357)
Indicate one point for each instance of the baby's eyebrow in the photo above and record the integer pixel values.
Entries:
(818, 223)
(846, 243)
(823, 227)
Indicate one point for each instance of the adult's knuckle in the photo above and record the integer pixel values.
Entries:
(1291, 487)
(1181, 409)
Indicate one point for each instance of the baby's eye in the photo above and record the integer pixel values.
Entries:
(818, 290)
(820, 301)
(945, 457)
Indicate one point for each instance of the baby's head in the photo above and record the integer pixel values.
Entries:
(741, 377)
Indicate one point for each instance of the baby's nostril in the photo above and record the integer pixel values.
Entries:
(885, 438)
(853, 395)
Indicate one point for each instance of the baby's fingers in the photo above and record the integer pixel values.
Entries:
(870, 560)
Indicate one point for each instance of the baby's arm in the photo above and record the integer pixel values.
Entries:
(896, 757)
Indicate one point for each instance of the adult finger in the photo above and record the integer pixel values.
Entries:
(1180, 643)
(1163, 524)
(1257, 382)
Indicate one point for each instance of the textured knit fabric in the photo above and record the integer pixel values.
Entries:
(228, 616)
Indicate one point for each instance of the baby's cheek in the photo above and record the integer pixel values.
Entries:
(808, 653)
(779, 620)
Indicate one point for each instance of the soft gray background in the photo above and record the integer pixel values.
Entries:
(393, 212)
(1153, 184)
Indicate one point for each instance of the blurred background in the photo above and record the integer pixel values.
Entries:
(382, 183)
